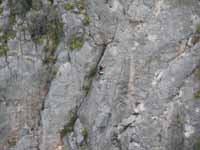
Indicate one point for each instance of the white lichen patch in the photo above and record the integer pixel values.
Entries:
(189, 130)
(152, 38)
(157, 77)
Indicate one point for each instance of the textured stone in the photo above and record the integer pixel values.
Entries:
(143, 101)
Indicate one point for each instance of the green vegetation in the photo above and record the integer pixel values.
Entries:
(37, 4)
(50, 59)
(92, 72)
(1, 11)
(88, 79)
(12, 141)
(69, 127)
(50, 29)
(197, 144)
(86, 20)
(8, 32)
(86, 86)
(19, 7)
(80, 4)
(76, 42)
(198, 29)
(197, 94)
(7, 35)
(85, 133)
(179, 120)
(3, 49)
(197, 73)
(51, 1)
(11, 20)
(54, 71)
(46, 29)
(69, 6)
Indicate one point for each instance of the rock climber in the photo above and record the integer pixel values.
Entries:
(100, 70)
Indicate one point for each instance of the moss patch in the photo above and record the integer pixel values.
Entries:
(86, 86)
(3, 49)
(198, 29)
(50, 59)
(197, 94)
(69, 127)
(197, 73)
(1, 11)
(86, 20)
(46, 26)
(54, 71)
(197, 144)
(85, 133)
(76, 42)
(80, 4)
(69, 6)
(12, 141)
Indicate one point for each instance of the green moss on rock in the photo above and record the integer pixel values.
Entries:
(49, 30)
(197, 73)
(3, 49)
(1, 11)
(86, 20)
(54, 71)
(197, 144)
(197, 94)
(50, 59)
(198, 29)
(85, 133)
(80, 4)
(69, 127)
(76, 42)
(69, 6)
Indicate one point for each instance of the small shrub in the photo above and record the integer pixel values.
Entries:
(3, 49)
(198, 29)
(52, 43)
(86, 20)
(69, 127)
(41, 39)
(49, 28)
(86, 85)
(19, 7)
(197, 144)
(54, 71)
(50, 59)
(85, 133)
(11, 20)
(12, 141)
(197, 94)
(69, 6)
(92, 72)
(195, 39)
(197, 73)
(10, 35)
(51, 1)
(179, 120)
(76, 42)
(1, 11)
(80, 4)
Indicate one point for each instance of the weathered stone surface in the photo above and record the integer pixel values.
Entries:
(52, 97)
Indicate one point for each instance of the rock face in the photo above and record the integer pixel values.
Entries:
(53, 96)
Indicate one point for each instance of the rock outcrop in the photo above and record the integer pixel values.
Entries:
(52, 96)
